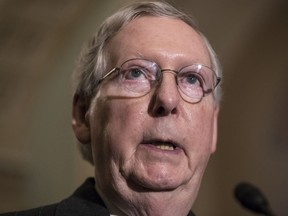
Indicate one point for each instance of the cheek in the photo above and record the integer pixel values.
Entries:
(116, 128)
(201, 123)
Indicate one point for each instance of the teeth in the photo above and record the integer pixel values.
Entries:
(165, 147)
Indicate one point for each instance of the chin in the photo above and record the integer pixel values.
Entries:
(156, 183)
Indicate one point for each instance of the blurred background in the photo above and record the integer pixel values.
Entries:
(39, 43)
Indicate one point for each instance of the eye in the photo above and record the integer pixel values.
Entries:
(190, 79)
(134, 74)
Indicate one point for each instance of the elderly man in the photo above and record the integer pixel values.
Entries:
(145, 111)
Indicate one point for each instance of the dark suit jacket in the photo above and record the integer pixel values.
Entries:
(85, 201)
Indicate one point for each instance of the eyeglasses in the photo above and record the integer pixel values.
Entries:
(136, 77)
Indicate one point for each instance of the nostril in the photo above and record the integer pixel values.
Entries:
(174, 111)
(160, 111)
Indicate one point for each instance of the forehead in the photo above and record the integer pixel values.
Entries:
(158, 39)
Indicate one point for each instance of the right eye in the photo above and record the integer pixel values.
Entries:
(134, 74)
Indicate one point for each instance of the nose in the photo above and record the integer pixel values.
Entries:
(166, 97)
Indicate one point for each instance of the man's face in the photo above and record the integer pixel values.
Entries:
(131, 138)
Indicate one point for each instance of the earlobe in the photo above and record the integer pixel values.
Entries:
(80, 122)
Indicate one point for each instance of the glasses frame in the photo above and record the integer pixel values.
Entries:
(175, 72)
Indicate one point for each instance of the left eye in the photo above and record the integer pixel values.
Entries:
(191, 79)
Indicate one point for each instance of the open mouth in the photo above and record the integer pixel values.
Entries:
(163, 145)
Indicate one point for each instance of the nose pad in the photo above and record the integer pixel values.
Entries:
(166, 97)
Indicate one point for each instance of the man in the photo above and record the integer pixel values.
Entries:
(145, 111)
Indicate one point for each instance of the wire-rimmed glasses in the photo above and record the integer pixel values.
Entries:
(136, 77)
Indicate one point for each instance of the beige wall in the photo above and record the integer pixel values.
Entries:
(40, 40)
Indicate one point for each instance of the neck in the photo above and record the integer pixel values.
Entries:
(168, 203)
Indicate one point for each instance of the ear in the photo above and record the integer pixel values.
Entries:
(215, 129)
(80, 123)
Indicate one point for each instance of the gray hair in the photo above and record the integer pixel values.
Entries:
(92, 62)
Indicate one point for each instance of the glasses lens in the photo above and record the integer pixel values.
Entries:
(137, 76)
(195, 80)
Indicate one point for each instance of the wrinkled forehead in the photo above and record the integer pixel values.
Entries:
(157, 37)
